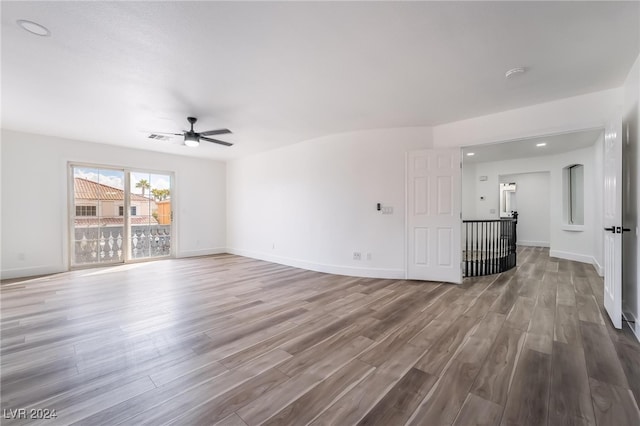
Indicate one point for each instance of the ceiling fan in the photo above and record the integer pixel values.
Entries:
(192, 138)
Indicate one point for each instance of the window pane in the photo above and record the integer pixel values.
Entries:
(150, 215)
(576, 191)
(98, 230)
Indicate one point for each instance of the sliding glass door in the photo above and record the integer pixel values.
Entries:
(150, 219)
(118, 215)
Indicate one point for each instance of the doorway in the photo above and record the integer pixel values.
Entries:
(528, 196)
(508, 203)
(118, 215)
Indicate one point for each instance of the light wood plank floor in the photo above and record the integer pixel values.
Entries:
(236, 341)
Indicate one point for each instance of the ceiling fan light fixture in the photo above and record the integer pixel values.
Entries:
(191, 140)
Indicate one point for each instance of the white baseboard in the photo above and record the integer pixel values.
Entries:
(533, 243)
(32, 271)
(321, 267)
(598, 266)
(583, 258)
(201, 252)
(633, 323)
(6, 274)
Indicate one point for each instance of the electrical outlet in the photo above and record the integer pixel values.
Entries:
(357, 255)
(368, 256)
(387, 210)
(273, 246)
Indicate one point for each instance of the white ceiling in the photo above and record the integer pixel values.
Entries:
(279, 73)
(526, 148)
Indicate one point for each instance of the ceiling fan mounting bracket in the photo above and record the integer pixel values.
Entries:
(192, 120)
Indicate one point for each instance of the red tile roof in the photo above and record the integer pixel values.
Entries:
(85, 189)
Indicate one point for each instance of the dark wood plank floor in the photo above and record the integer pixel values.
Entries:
(236, 341)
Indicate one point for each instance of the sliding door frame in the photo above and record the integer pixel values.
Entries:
(127, 256)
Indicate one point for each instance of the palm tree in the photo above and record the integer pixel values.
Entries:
(157, 194)
(160, 194)
(143, 184)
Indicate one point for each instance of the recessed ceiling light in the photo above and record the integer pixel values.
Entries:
(514, 72)
(34, 28)
(470, 154)
(541, 144)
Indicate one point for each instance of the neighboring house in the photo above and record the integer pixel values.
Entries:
(97, 204)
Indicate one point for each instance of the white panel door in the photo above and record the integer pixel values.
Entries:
(613, 222)
(433, 215)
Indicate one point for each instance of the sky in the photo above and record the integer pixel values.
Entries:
(115, 178)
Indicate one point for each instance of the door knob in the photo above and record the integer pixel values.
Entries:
(626, 229)
(612, 229)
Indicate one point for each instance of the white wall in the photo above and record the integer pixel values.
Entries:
(583, 112)
(631, 198)
(34, 199)
(313, 204)
(564, 243)
(532, 199)
(468, 190)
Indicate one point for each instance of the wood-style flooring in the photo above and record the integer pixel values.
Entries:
(236, 341)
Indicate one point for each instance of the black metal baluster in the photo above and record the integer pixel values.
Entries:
(502, 233)
(510, 244)
(493, 247)
(496, 255)
(466, 249)
(484, 249)
(477, 249)
(470, 247)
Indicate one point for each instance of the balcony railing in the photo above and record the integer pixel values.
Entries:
(489, 246)
(105, 244)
